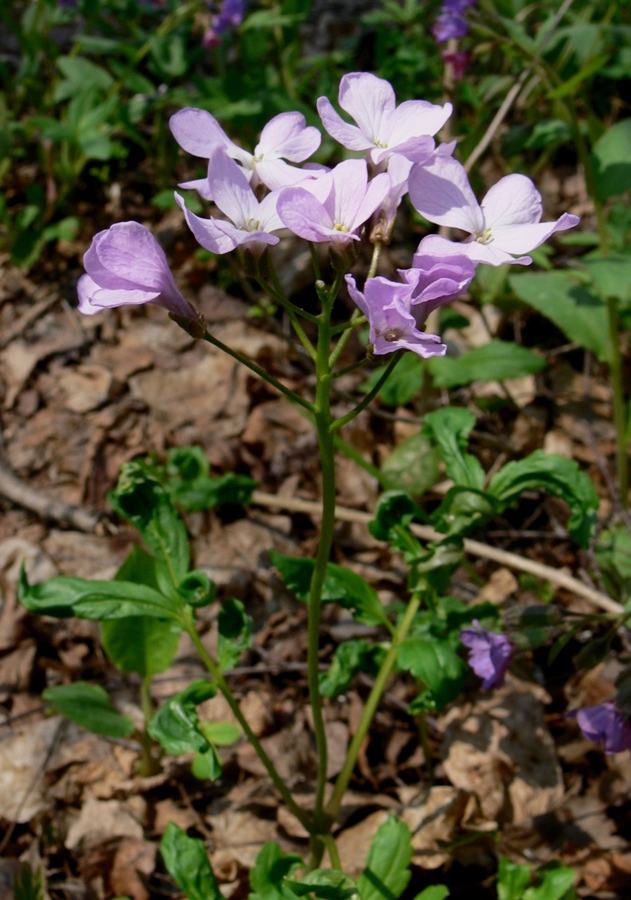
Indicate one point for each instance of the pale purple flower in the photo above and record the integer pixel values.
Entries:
(336, 205)
(126, 266)
(286, 136)
(437, 280)
(507, 222)
(252, 223)
(489, 654)
(451, 23)
(604, 723)
(388, 308)
(382, 127)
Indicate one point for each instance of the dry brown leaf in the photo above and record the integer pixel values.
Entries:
(498, 588)
(133, 863)
(23, 760)
(86, 388)
(100, 820)
(501, 749)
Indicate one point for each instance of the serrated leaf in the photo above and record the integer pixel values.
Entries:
(187, 863)
(235, 633)
(580, 314)
(143, 501)
(63, 597)
(89, 705)
(449, 428)
(176, 724)
(349, 659)
(495, 361)
(558, 476)
(437, 664)
(387, 870)
(340, 585)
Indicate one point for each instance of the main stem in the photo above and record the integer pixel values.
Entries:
(322, 417)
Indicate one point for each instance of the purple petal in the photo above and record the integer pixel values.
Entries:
(287, 135)
(303, 214)
(489, 654)
(205, 231)
(349, 136)
(514, 200)
(230, 189)
(441, 192)
(603, 723)
(197, 132)
(371, 103)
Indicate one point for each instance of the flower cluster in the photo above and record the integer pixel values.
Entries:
(261, 193)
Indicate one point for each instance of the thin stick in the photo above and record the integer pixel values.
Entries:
(475, 548)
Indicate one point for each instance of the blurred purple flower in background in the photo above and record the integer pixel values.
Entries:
(489, 654)
(228, 17)
(451, 23)
(604, 723)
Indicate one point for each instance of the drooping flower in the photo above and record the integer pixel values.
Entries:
(604, 723)
(286, 136)
(451, 22)
(336, 205)
(126, 266)
(507, 222)
(489, 654)
(382, 127)
(387, 306)
(250, 222)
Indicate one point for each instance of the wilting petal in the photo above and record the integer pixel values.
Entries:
(288, 135)
(441, 192)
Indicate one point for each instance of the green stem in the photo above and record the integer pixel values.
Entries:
(291, 395)
(619, 412)
(224, 687)
(334, 856)
(372, 703)
(323, 420)
(369, 396)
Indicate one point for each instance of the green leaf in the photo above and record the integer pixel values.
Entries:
(271, 868)
(558, 476)
(495, 361)
(349, 659)
(434, 892)
(340, 585)
(612, 163)
(437, 664)
(325, 884)
(176, 724)
(138, 643)
(221, 733)
(27, 884)
(387, 870)
(412, 466)
(197, 589)
(143, 501)
(207, 766)
(512, 880)
(394, 510)
(63, 597)
(187, 863)
(89, 705)
(463, 508)
(80, 75)
(192, 488)
(555, 884)
(235, 633)
(449, 428)
(611, 277)
(581, 315)
(403, 384)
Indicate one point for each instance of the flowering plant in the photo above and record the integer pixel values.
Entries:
(259, 199)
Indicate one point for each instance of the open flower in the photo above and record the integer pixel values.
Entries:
(334, 206)
(507, 222)
(604, 723)
(251, 222)
(382, 127)
(126, 266)
(286, 136)
(489, 654)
